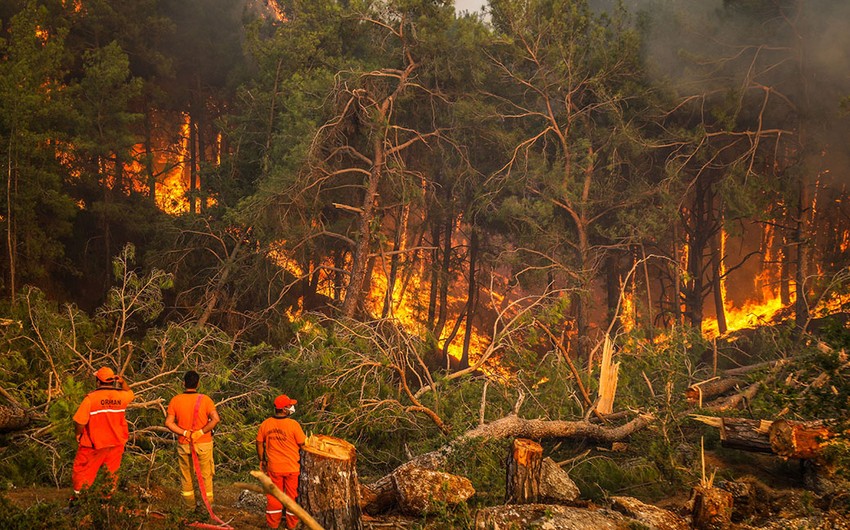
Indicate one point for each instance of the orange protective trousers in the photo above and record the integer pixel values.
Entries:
(287, 483)
(89, 461)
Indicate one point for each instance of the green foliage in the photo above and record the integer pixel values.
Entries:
(483, 462)
(39, 516)
(443, 515)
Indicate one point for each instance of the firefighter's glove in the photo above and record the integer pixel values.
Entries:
(197, 434)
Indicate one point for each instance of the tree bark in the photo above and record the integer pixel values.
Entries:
(524, 466)
(471, 297)
(13, 418)
(717, 257)
(421, 491)
(360, 257)
(702, 392)
(328, 487)
(741, 433)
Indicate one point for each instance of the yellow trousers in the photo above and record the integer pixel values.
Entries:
(187, 470)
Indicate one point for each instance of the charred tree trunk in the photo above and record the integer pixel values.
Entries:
(677, 279)
(717, 257)
(613, 277)
(523, 472)
(193, 169)
(149, 169)
(328, 487)
(394, 264)
(435, 275)
(201, 153)
(471, 297)
(801, 308)
(445, 270)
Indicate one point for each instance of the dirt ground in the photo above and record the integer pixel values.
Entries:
(241, 510)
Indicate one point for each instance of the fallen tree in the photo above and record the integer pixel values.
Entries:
(804, 440)
(381, 494)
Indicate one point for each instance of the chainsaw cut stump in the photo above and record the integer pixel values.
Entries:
(524, 469)
(328, 487)
(712, 508)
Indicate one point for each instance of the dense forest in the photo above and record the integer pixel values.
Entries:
(432, 229)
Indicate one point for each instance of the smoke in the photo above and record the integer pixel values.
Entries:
(797, 49)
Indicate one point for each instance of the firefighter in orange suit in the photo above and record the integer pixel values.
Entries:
(100, 426)
(279, 442)
(192, 416)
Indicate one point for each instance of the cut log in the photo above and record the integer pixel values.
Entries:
(741, 433)
(648, 515)
(556, 484)
(13, 418)
(514, 516)
(328, 487)
(794, 439)
(702, 392)
(421, 491)
(269, 488)
(523, 481)
(712, 508)
(735, 400)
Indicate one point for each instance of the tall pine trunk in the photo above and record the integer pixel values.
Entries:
(471, 297)
(354, 292)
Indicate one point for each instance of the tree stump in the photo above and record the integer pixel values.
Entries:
(712, 508)
(328, 487)
(524, 468)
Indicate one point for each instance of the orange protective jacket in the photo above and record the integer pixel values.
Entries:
(103, 414)
(182, 406)
(282, 438)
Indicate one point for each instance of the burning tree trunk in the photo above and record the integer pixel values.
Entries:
(524, 466)
(328, 488)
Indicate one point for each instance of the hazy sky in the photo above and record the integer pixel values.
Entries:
(469, 5)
